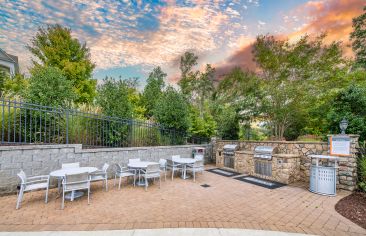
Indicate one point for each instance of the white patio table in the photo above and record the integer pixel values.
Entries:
(184, 162)
(69, 171)
(140, 165)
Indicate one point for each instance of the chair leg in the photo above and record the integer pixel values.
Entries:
(119, 184)
(194, 176)
(134, 181)
(63, 200)
(159, 181)
(106, 184)
(20, 198)
(89, 195)
(46, 195)
(172, 174)
(145, 184)
(165, 173)
(114, 182)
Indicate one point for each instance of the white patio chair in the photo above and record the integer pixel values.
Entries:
(122, 172)
(163, 166)
(66, 166)
(152, 172)
(101, 175)
(197, 166)
(134, 160)
(70, 165)
(171, 165)
(73, 183)
(30, 184)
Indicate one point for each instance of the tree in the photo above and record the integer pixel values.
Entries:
(3, 78)
(153, 90)
(187, 62)
(295, 76)
(135, 99)
(54, 46)
(49, 87)
(242, 90)
(350, 103)
(201, 126)
(15, 85)
(227, 123)
(171, 110)
(113, 98)
(358, 38)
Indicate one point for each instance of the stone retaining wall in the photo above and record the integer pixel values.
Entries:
(297, 167)
(42, 159)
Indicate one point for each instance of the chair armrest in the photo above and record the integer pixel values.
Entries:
(98, 172)
(39, 177)
(77, 182)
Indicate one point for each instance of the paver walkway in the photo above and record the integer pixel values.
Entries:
(228, 203)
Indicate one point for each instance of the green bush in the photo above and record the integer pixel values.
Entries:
(362, 173)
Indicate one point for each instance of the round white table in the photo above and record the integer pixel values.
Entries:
(60, 174)
(184, 162)
(140, 165)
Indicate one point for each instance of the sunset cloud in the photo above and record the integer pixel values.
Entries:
(331, 16)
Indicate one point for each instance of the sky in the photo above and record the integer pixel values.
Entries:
(130, 38)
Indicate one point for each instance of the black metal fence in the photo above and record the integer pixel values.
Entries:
(25, 123)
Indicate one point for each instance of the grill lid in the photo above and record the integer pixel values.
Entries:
(263, 152)
(228, 147)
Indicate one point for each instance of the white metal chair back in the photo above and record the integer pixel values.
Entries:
(70, 165)
(22, 176)
(162, 163)
(169, 162)
(175, 157)
(153, 168)
(76, 181)
(198, 164)
(199, 157)
(134, 160)
(118, 168)
(105, 167)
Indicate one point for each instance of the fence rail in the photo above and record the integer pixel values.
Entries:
(26, 123)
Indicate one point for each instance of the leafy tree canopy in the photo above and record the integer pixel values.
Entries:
(48, 86)
(358, 38)
(350, 103)
(113, 98)
(53, 46)
(153, 90)
(171, 110)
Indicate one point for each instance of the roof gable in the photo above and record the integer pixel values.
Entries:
(5, 56)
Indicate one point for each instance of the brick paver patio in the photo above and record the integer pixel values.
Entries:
(228, 203)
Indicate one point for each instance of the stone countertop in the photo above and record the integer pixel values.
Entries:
(277, 155)
(286, 156)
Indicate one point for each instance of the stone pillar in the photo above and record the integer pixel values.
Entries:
(347, 172)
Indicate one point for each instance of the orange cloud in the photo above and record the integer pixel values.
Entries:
(331, 16)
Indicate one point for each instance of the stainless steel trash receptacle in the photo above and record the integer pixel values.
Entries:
(323, 178)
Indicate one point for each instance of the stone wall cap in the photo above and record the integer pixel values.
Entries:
(78, 147)
(279, 142)
(38, 146)
(245, 152)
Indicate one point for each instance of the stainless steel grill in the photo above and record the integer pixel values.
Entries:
(264, 152)
(263, 160)
(229, 152)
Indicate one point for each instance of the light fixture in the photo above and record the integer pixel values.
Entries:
(343, 125)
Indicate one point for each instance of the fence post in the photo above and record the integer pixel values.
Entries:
(67, 126)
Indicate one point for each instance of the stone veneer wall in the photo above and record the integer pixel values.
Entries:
(42, 159)
(347, 172)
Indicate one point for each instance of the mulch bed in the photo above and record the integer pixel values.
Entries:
(353, 207)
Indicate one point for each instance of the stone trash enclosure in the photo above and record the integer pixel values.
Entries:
(42, 159)
(291, 162)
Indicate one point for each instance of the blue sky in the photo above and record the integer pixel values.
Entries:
(129, 38)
